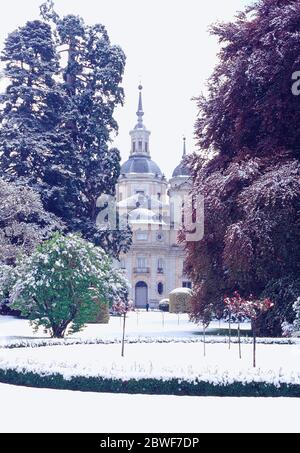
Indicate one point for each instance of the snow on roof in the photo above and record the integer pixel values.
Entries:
(181, 290)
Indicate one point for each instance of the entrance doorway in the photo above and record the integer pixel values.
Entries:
(141, 295)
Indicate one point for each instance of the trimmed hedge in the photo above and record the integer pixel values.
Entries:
(210, 339)
(148, 386)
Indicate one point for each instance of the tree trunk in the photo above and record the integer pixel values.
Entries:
(58, 332)
(254, 343)
(123, 338)
(229, 331)
(239, 337)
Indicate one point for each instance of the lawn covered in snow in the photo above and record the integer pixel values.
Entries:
(139, 324)
(47, 411)
(276, 363)
(181, 358)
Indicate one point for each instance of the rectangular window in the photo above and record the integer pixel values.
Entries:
(146, 147)
(142, 236)
(133, 147)
(141, 262)
(187, 285)
(160, 265)
(140, 146)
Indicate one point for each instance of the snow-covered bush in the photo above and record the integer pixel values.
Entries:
(180, 300)
(293, 330)
(62, 283)
(7, 277)
(24, 223)
(164, 305)
(296, 324)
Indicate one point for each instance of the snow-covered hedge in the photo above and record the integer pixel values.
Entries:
(212, 383)
(38, 343)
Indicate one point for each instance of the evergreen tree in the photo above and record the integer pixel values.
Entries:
(57, 118)
(28, 106)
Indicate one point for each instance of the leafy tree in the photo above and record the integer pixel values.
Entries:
(248, 170)
(57, 118)
(60, 285)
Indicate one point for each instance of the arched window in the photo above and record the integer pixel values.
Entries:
(160, 288)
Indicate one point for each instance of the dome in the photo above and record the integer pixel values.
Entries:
(181, 170)
(140, 164)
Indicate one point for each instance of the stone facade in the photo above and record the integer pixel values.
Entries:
(154, 264)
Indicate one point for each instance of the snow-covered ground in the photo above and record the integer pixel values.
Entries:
(34, 410)
(140, 323)
(276, 363)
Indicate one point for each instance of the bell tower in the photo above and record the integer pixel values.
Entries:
(140, 135)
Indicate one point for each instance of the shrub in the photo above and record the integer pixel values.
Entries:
(58, 286)
(148, 386)
(164, 305)
(180, 300)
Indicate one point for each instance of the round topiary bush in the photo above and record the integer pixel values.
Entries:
(180, 300)
(164, 305)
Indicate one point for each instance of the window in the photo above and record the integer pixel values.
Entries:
(140, 146)
(133, 147)
(142, 236)
(187, 285)
(159, 237)
(141, 262)
(160, 265)
(146, 147)
(160, 288)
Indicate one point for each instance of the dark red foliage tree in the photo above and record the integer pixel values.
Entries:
(248, 169)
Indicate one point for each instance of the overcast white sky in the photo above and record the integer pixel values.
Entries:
(167, 46)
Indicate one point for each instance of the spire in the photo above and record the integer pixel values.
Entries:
(140, 134)
(184, 147)
(140, 112)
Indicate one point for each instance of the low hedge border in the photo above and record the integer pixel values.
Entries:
(149, 386)
(38, 343)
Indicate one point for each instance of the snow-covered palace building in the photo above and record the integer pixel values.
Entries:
(154, 264)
